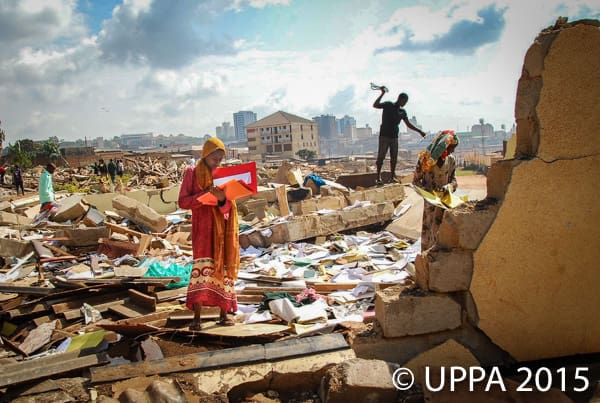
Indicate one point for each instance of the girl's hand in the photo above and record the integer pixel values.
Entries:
(218, 193)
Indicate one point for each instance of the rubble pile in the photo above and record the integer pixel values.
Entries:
(99, 284)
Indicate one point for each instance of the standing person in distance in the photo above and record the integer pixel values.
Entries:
(391, 116)
(215, 240)
(46, 188)
(112, 170)
(17, 175)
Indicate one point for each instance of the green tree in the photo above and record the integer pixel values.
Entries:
(49, 149)
(306, 154)
(19, 154)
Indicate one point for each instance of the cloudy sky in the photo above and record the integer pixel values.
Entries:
(75, 68)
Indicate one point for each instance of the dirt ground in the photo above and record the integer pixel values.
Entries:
(474, 185)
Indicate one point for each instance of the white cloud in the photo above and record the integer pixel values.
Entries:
(54, 80)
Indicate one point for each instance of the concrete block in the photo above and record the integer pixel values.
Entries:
(444, 271)
(6, 206)
(304, 207)
(14, 247)
(93, 218)
(330, 223)
(8, 218)
(82, 236)
(498, 178)
(140, 213)
(303, 227)
(375, 195)
(358, 195)
(448, 354)
(71, 208)
(331, 202)
(394, 192)
(402, 312)
(373, 345)
(257, 206)
(464, 227)
(366, 215)
(359, 380)
(269, 194)
(410, 224)
(327, 190)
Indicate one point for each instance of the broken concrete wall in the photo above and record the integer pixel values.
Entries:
(522, 263)
(535, 270)
(163, 201)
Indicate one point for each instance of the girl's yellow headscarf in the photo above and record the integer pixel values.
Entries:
(226, 247)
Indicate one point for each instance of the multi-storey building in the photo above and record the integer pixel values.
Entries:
(240, 120)
(281, 135)
(328, 128)
(345, 125)
(225, 132)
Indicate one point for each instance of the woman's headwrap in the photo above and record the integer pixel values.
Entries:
(226, 249)
(437, 149)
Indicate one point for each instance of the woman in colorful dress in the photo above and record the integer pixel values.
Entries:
(436, 170)
(215, 240)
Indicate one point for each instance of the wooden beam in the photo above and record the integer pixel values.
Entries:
(4, 287)
(222, 358)
(25, 371)
(76, 313)
(168, 295)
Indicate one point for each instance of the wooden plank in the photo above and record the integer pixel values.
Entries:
(141, 299)
(168, 295)
(5, 287)
(328, 287)
(200, 361)
(145, 241)
(76, 313)
(128, 310)
(222, 358)
(77, 301)
(122, 230)
(250, 299)
(305, 346)
(35, 310)
(57, 259)
(26, 371)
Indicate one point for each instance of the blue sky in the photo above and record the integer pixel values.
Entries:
(103, 68)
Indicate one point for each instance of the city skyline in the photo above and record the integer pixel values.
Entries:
(76, 69)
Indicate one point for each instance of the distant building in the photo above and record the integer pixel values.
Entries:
(137, 140)
(486, 129)
(327, 126)
(347, 121)
(364, 132)
(281, 135)
(240, 120)
(225, 132)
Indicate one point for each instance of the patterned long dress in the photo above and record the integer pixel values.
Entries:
(435, 179)
(207, 285)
